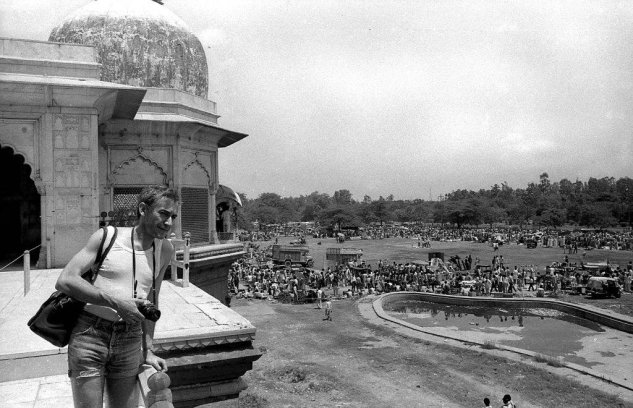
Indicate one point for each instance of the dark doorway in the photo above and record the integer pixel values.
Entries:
(20, 224)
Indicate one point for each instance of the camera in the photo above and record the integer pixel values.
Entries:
(149, 311)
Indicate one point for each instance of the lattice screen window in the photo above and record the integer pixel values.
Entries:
(124, 206)
(194, 213)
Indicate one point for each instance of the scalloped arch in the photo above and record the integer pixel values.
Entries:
(199, 164)
(34, 170)
(118, 169)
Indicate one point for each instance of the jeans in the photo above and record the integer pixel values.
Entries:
(99, 347)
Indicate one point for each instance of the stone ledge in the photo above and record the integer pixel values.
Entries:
(604, 317)
(377, 308)
(201, 341)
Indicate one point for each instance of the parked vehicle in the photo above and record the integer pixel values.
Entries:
(466, 287)
(291, 255)
(343, 256)
(600, 286)
(599, 266)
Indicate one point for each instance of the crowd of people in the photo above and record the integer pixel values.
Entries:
(569, 240)
(566, 239)
(456, 276)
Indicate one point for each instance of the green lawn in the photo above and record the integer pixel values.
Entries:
(402, 250)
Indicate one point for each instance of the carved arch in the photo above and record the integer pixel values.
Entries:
(198, 163)
(143, 158)
(35, 172)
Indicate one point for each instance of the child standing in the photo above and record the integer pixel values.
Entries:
(328, 309)
(319, 298)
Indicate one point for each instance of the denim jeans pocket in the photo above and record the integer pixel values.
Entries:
(82, 327)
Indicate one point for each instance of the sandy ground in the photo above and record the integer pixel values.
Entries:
(360, 361)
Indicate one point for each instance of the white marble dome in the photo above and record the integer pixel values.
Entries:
(140, 43)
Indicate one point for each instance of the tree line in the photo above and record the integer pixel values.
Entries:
(598, 202)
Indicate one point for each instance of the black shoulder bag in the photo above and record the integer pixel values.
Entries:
(57, 316)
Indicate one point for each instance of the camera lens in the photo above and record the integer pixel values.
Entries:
(149, 311)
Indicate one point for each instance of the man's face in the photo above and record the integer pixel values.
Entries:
(158, 220)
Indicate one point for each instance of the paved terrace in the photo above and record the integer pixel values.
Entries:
(33, 372)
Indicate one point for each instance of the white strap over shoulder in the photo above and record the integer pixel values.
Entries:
(158, 244)
(110, 230)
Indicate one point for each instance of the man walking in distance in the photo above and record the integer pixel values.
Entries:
(320, 298)
(112, 338)
(328, 309)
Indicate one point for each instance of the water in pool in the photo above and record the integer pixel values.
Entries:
(541, 330)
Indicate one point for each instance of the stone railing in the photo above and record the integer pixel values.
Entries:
(154, 387)
(186, 257)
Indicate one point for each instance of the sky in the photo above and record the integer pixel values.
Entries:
(412, 98)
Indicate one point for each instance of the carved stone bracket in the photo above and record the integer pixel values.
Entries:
(43, 188)
(197, 343)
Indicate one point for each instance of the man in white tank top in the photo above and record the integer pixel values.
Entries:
(106, 347)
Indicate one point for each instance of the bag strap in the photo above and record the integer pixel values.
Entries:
(100, 260)
(101, 256)
(103, 238)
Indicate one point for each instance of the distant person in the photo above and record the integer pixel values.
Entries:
(487, 286)
(328, 309)
(320, 298)
(507, 402)
(486, 402)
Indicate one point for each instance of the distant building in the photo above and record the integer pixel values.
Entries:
(115, 100)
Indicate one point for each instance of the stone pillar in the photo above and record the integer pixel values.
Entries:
(74, 168)
(44, 189)
(212, 214)
(154, 387)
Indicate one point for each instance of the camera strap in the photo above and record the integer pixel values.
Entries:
(134, 267)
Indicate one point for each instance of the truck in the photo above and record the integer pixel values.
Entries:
(342, 256)
(600, 286)
(292, 255)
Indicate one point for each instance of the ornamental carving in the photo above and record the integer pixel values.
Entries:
(189, 176)
(143, 178)
(198, 343)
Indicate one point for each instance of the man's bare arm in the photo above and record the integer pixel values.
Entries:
(71, 282)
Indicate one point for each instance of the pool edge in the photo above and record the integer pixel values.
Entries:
(532, 302)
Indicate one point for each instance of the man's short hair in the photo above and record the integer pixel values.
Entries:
(151, 194)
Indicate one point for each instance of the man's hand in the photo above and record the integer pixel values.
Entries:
(158, 363)
(128, 310)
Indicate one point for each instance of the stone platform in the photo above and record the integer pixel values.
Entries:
(207, 345)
